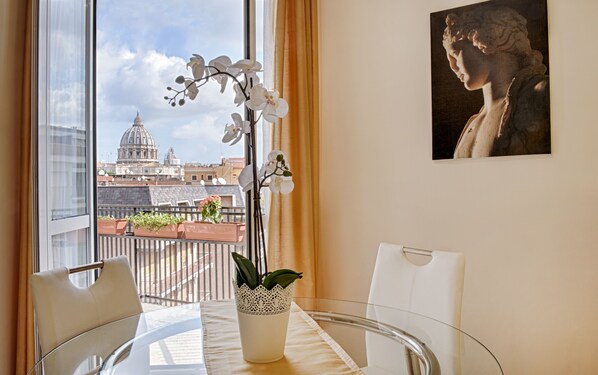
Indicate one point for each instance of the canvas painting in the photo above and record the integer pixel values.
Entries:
(490, 80)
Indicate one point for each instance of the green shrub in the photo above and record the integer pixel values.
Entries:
(153, 221)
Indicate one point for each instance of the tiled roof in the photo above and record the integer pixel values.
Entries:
(153, 195)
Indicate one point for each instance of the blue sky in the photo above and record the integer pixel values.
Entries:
(141, 47)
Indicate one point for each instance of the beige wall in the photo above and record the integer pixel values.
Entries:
(528, 225)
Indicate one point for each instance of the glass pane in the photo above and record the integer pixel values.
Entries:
(70, 249)
(66, 104)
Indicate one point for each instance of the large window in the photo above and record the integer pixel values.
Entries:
(132, 74)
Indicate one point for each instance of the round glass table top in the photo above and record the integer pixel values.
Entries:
(171, 341)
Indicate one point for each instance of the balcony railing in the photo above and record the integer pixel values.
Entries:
(174, 271)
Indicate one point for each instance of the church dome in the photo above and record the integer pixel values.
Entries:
(137, 145)
(171, 158)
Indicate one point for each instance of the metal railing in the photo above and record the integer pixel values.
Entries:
(174, 271)
(229, 214)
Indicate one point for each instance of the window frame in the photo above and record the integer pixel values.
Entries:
(44, 227)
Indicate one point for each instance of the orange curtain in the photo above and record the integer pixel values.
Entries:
(293, 225)
(16, 35)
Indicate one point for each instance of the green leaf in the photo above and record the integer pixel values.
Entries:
(240, 279)
(247, 270)
(284, 277)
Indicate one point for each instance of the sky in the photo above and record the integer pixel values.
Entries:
(142, 46)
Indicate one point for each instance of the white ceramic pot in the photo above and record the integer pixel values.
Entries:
(263, 321)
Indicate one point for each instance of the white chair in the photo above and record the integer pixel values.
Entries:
(433, 290)
(63, 310)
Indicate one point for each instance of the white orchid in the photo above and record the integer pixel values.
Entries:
(276, 169)
(249, 68)
(197, 65)
(234, 132)
(274, 172)
(270, 165)
(239, 93)
(246, 178)
(256, 97)
(272, 106)
(192, 89)
(281, 184)
(219, 65)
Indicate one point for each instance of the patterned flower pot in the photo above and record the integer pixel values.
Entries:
(263, 321)
(223, 232)
(169, 231)
(112, 226)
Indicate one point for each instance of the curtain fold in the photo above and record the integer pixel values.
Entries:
(25, 342)
(293, 226)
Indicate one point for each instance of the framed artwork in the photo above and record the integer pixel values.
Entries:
(490, 80)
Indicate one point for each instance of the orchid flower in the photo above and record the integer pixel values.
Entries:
(197, 65)
(275, 168)
(234, 132)
(272, 106)
(222, 64)
(250, 69)
(192, 89)
(246, 178)
(271, 164)
(281, 184)
(239, 94)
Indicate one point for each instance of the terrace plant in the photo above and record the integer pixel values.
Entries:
(154, 221)
(210, 209)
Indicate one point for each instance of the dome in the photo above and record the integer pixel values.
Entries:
(137, 145)
(171, 158)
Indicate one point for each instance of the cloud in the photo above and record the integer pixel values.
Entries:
(179, 27)
(141, 48)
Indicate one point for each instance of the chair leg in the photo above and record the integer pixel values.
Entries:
(412, 363)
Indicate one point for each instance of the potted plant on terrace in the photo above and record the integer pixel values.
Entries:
(263, 298)
(211, 227)
(154, 224)
(110, 225)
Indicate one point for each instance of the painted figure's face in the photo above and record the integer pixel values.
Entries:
(470, 65)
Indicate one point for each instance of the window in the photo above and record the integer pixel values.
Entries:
(64, 108)
(194, 178)
(227, 200)
(65, 103)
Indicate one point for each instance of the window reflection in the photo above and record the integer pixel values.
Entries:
(67, 81)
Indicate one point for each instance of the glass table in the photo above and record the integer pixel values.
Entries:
(379, 339)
